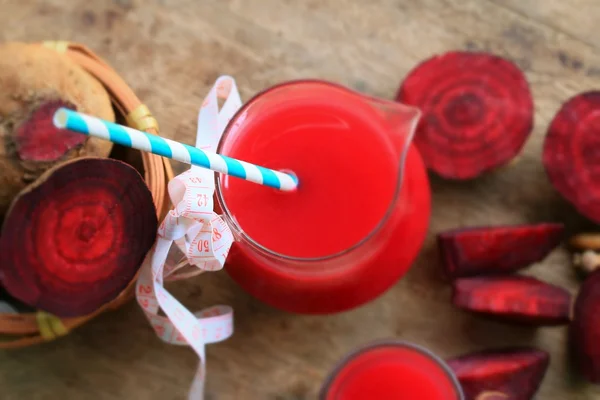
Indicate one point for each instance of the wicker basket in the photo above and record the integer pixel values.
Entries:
(19, 330)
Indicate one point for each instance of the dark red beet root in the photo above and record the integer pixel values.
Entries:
(517, 299)
(477, 112)
(585, 328)
(510, 373)
(496, 250)
(37, 139)
(572, 151)
(74, 239)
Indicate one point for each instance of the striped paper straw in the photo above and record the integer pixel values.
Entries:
(128, 137)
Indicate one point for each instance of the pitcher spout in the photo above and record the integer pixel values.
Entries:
(402, 121)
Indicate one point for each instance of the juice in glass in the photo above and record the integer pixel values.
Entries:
(391, 370)
(360, 214)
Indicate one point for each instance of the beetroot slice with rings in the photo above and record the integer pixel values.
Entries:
(477, 112)
(571, 153)
(75, 238)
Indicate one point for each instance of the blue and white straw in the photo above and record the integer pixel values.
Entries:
(128, 137)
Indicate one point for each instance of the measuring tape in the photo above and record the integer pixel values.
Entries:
(202, 241)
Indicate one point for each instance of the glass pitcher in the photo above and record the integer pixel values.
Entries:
(360, 214)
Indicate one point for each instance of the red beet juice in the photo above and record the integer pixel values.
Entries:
(394, 371)
(359, 215)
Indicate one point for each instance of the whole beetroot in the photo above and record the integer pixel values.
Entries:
(34, 82)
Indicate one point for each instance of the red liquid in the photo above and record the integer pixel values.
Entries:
(347, 163)
(347, 178)
(392, 372)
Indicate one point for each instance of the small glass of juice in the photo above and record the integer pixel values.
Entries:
(360, 214)
(391, 370)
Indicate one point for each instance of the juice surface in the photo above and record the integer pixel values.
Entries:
(344, 159)
(392, 373)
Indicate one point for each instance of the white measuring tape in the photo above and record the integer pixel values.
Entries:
(200, 235)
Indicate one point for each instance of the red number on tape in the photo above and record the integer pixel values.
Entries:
(202, 200)
(180, 338)
(160, 330)
(213, 312)
(203, 246)
(178, 314)
(144, 289)
(196, 333)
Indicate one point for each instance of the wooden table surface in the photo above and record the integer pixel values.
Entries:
(171, 51)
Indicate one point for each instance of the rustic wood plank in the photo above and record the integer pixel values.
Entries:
(560, 16)
(171, 52)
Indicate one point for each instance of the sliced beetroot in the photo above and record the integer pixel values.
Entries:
(571, 152)
(37, 139)
(496, 250)
(508, 373)
(477, 112)
(517, 299)
(585, 328)
(74, 239)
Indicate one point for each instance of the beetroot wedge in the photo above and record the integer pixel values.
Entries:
(572, 150)
(585, 328)
(496, 250)
(509, 373)
(517, 299)
(75, 238)
(477, 112)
